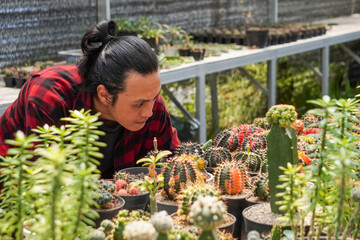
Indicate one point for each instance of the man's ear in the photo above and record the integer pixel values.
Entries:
(103, 95)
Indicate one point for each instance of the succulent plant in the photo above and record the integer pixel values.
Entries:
(189, 148)
(215, 155)
(261, 189)
(282, 115)
(107, 185)
(281, 136)
(253, 235)
(261, 123)
(124, 217)
(207, 213)
(251, 160)
(163, 223)
(192, 192)
(103, 197)
(139, 230)
(227, 139)
(299, 126)
(122, 175)
(181, 170)
(107, 225)
(155, 152)
(254, 142)
(97, 234)
(229, 177)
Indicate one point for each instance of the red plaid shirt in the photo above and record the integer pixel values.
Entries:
(51, 93)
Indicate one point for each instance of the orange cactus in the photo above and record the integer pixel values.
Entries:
(230, 177)
(235, 184)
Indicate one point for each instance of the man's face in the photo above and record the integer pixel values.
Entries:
(134, 106)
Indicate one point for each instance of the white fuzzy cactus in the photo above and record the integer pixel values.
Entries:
(162, 222)
(207, 212)
(139, 230)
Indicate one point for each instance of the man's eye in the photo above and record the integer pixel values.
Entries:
(138, 105)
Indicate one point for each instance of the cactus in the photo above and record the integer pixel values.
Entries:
(229, 177)
(207, 213)
(192, 192)
(261, 189)
(163, 223)
(253, 235)
(215, 155)
(107, 225)
(181, 170)
(190, 148)
(124, 217)
(251, 160)
(139, 230)
(122, 175)
(261, 123)
(155, 152)
(97, 234)
(254, 142)
(276, 232)
(107, 185)
(299, 126)
(282, 147)
(103, 197)
(228, 139)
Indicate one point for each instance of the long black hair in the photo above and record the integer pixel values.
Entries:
(108, 59)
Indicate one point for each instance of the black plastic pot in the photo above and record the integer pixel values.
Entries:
(9, 81)
(249, 202)
(235, 207)
(109, 213)
(19, 82)
(258, 38)
(253, 225)
(196, 55)
(134, 202)
(185, 52)
(169, 208)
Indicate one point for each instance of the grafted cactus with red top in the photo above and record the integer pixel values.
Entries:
(181, 170)
(229, 177)
(228, 139)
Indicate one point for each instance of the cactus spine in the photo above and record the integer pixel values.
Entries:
(181, 170)
(189, 148)
(207, 213)
(229, 177)
(261, 189)
(282, 147)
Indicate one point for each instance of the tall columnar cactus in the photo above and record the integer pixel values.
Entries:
(192, 192)
(251, 160)
(261, 189)
(282, 147)
(207, 213)
(229, 177)
(181, 170)
(189, 148)
(163, 224)
(215, 155)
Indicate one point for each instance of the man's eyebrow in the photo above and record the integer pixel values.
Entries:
(145, 100)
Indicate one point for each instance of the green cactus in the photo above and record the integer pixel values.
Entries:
(282, 147)
(251, 160)
(163, 223)
(97, 234)
(139, 230)
(107, 225)
(229, 177)
(181, 170)
(124, 217)
(276, 232)
(255, 142)
(107, 185)
(189, 148)
(227, 139)
(215, 155)
(207, 213)
(192, 192)
(103, 197)
(261, 123)
(122, 175)
(253, 235)
(261, 189)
